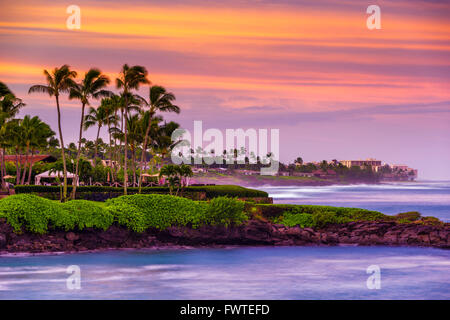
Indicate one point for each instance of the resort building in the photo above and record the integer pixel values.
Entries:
(361, 163)
(31, 158)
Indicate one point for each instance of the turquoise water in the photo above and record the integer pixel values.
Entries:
(254, 272)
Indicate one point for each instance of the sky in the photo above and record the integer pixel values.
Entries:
(312, 69)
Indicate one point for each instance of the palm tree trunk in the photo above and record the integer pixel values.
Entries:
(144, 151)
(110, 151)
(24, 174)
(75, 180)
(30, 170)
(63, 154)
(96, 142)
(2, 169)
(17, 167)
(134, 167)
(125, 172)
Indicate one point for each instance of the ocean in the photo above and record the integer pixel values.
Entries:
(342, 272)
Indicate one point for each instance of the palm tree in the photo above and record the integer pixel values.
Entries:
(99, 117)
(33, 131)
(60, 80)
(40, 135)
(159, 100)
(90, 87)
(111, 106)
(130, 78)
(162, 140)
(9, 107)
(135, 137)
(13, 136)
(4, 90)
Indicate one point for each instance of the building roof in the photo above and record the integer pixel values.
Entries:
(33, 158)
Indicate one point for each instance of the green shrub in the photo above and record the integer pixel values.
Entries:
(226, 211)
(408, 216)
(354, 214)
(211, 191)
(140, 212)
(88, 214)
(323, 218)
(34, 213)
(301, 219)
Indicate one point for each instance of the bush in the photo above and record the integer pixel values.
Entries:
(302, 219)
(211, 191)
(408, 216)
(321, 219)
(316, 216)
(88, 214)
(354, 214)
(140, 212)
(33, 213)
(226, 211)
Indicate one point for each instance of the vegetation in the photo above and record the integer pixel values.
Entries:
(225, 211)
(176, 175)
(135, 130)
(60, 80)
(316, 216)
(92, 86)
(27, 212)
(139, 212)
(211, 191)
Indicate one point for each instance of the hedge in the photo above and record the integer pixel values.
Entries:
(211, 191)
(139, 212)
(316, 216)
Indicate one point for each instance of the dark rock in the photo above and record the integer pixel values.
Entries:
(72, 236)
(115, 234)
(3, 240)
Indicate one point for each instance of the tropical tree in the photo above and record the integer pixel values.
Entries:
(111, 106)
(92, 86)
(9, 107)
(176, 176)
(14, 140)
(34, 133)
(135, 138)
(99, 117)
(162, 138)
(60, 80)
(162, 101)
(130, 78)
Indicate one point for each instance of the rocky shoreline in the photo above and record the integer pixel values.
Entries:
(254, 232)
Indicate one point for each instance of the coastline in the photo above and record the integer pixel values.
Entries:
(279, 181)
(252, 233)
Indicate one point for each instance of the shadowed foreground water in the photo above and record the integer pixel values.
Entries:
(232, 273)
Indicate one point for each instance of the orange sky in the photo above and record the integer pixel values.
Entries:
(260, 60)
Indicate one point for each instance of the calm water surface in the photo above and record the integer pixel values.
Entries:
(254, 273)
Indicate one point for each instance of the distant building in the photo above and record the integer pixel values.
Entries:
(361, 163)
(399, 167)
(32, 158)
(325, 174)
(302, 174)
(247, 172)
